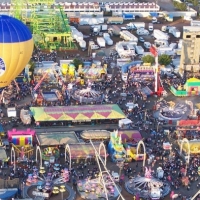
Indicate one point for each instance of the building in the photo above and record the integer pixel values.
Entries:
(190, 49)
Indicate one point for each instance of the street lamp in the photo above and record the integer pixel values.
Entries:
(62, 190)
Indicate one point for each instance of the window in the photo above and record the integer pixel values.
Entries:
(188, 36)
(197, 36)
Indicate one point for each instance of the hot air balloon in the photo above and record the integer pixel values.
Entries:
(16, 47)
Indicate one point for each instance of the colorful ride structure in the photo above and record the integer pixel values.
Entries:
(190, 88)
(48, 23)
(21, 137)
(50, 153)
(123, 149)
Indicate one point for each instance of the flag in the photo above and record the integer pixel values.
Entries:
(153, 50)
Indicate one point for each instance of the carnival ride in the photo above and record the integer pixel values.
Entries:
(48, 23)
(45, 184)
(124, 150)
(147, 187)
(21, 153)
(171, 110)
(50, 153)
(94, 189)
(87, 95)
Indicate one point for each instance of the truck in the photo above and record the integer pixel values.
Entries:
(101, 42)
(127, 36)
(158, 34)
(150, 27)
(139, 50)
(175, 32)
(135, 25)
(128, 16)
(115, 20)
(93, 46)
(114, 30)
(107, 38)
(98, 28)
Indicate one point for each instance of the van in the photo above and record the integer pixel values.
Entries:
(150, 27)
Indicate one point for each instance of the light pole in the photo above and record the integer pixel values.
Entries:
(62, 190)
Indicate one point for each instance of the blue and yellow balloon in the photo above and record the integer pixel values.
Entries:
(16, 48)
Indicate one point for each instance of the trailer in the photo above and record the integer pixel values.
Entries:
(101, 42)
(98, 28)
(139, 50)
(128, 16)
(166, 50)
(142, 31)
(136, 25)
(160, 35)
(115, 20)
(195, 23)
(127, 36)
(107, 39)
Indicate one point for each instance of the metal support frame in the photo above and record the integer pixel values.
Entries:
(185, 140)
(103, 163)
(144, 154)
(13, 158)
(38, 149)
(67, 149)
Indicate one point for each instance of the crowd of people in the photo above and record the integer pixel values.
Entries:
(142, 117)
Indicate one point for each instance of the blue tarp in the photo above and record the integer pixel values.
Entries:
(171, 16)
(126, 67)
(154, 14)
(8, 194)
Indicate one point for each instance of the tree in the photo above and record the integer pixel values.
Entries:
(148, 59)
(77, 62)
(164, 59)
(180, 6)
(195, 2)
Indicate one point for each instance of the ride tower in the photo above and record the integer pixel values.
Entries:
(47, 22)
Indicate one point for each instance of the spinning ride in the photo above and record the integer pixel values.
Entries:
(94, 189)
(148, 186)
(172, 111)
(50, 153)
(87, 95)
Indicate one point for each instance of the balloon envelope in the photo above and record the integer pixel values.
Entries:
(16, 47)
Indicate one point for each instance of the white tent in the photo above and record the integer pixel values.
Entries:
(124, 122)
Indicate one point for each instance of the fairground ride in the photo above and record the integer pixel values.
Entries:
(47, 21)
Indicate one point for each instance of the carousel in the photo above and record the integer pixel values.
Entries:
(148, 187)
(101, 187)
(87, 95)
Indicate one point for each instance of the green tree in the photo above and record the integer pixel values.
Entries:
(164, 59)
(77, 62)
(180, 6)
(195, 2)
(148, 59)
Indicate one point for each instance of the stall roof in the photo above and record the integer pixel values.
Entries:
(84, 150)
(77, 113)
(56, 138)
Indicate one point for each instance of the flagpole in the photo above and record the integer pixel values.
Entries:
(156, 73)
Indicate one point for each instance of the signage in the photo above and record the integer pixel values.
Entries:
(41, 194)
